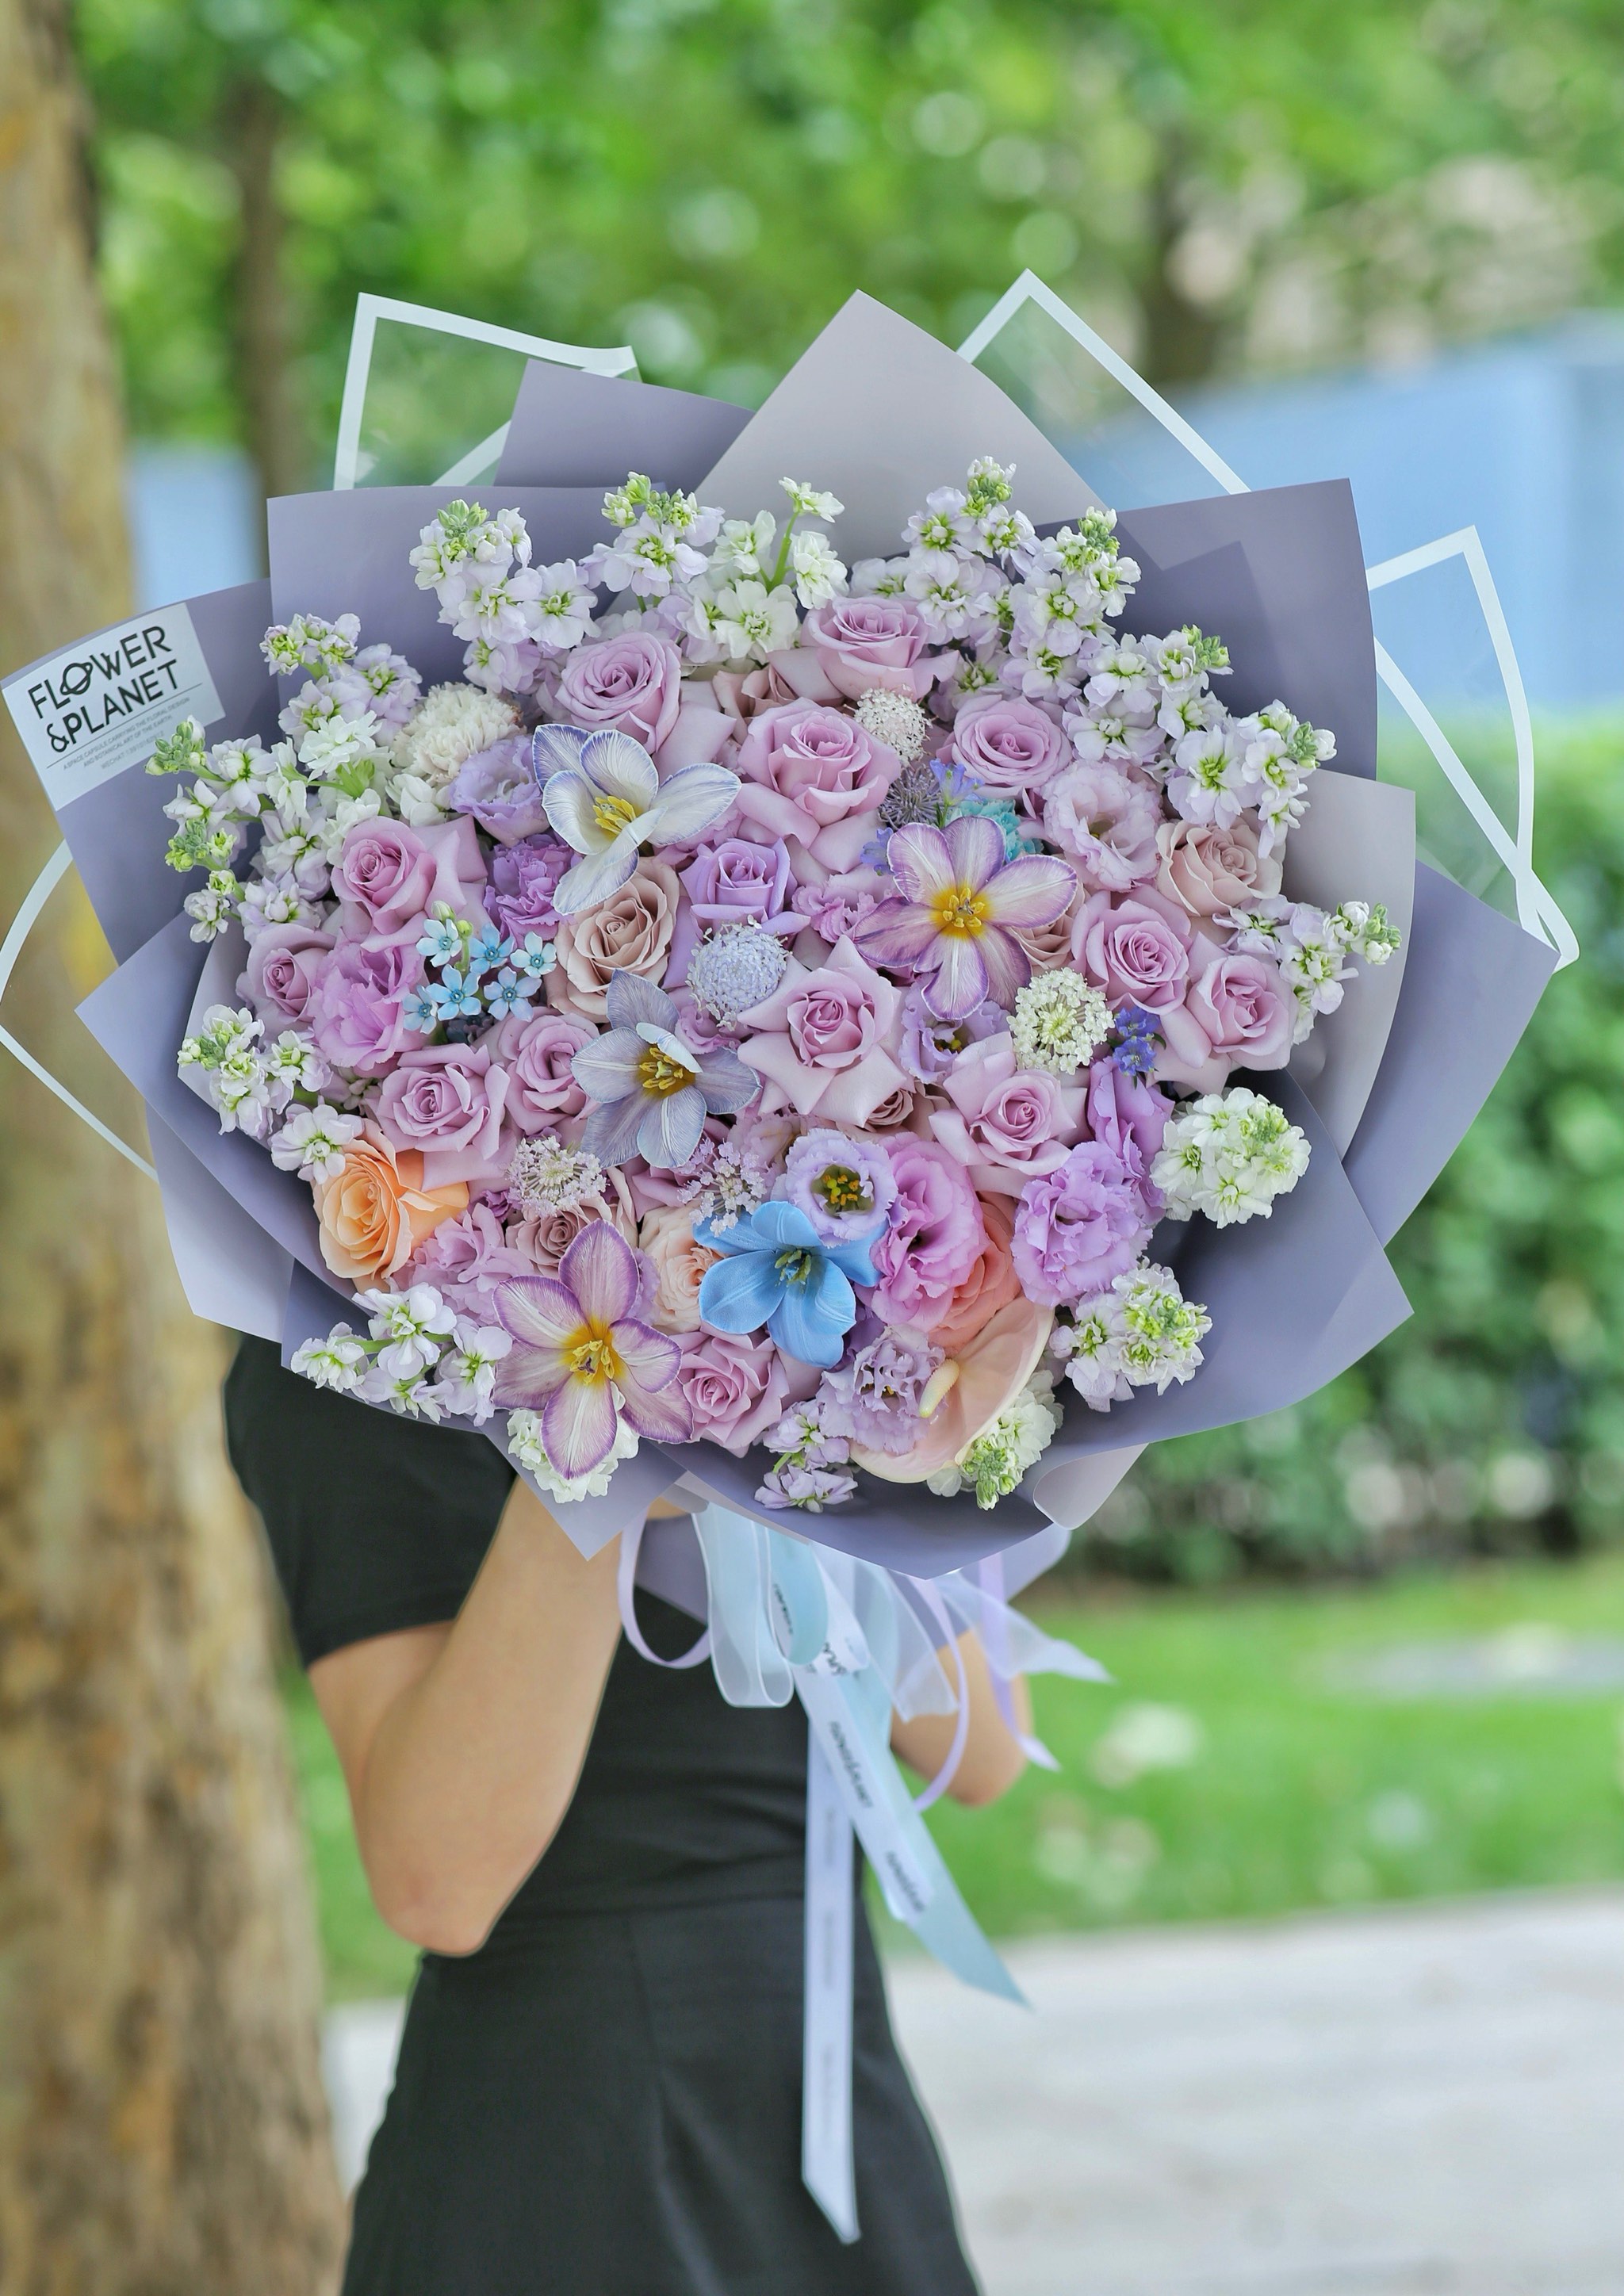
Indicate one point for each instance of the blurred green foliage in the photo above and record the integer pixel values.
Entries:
(1230, 183)
(1493, 1420)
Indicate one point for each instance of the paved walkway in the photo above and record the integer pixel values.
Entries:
(1406, 2103)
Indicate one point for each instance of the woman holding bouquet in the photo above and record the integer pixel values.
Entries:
(599, 2085)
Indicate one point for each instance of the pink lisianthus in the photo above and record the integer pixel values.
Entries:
(284, 963)
(466, 1259)
(1079, 1228)
(814, 776)
(1107, 819)
(1006, 1125)
(536, 1050)
(1128, 1116)
(447, 1102)
(1135, 947)
(934, 1236)
(356, 1005)
(1006, 743)
(583, 1358)
(827, 1039)
(958, 903)
(737, 1385)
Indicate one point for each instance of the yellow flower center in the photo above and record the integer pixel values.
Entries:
(843, 1190)
(590, 1354)
(660, 1074)
(614, 814)
(960, 909)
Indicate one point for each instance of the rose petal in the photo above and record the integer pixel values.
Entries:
(601, 1268)
(578, 1425)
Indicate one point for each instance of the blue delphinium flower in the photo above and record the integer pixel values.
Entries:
(777, 1270)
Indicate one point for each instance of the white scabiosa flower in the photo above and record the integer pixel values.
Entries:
(1228, 1155)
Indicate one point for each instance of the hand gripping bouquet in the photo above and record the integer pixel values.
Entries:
(866, 995)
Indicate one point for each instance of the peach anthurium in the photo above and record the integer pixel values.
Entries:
(968, 1391)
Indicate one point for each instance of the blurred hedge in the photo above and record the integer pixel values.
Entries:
(1493, 1420)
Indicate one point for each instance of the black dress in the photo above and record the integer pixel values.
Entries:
(605, 2099)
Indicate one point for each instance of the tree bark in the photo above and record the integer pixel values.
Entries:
(162, 2126)
(262, 321)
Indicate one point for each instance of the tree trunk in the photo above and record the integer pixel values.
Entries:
(262, 324)
(162, 2126)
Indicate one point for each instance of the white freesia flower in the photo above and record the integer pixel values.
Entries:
(604, 798)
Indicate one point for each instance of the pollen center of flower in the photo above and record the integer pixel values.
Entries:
(614, 814)
(961, 909)
(660, 1074)
(591, 1355)
(796, 1267)
(843, 1190)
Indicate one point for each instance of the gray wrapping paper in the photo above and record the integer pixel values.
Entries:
(571, 429)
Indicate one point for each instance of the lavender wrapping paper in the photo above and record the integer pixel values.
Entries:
(572, 429)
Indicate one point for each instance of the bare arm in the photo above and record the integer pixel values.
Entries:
(461, 1744)
(992, 1759)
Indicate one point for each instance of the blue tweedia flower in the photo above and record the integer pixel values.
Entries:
(1138, 1036)
(777, 1270)
(456, 993)
(420, 1010)
(507, 993)
(537, 958)
(487, 951)
(442, 941)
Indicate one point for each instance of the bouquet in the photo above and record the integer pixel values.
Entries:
(762, 1001)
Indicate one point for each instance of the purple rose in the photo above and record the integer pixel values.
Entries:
(1107, 819)
(933, 1238)
(536, 1049)
(282, 965)
(632, 682)
(498, 789)
(1134, 946)
(1006, 1125)
(738, 1386)
(863, 642)
(736, 882)
(1079, 1228)
(355, 1008)
(385, 876)
(809, 773)
(1007, 744)
(447, 1101)
(1129, 1117)
(525, 877)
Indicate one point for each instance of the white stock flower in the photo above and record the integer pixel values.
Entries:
(312, 1140)
(810, 502)
(818, 574)
(466, 1380)
(749, 621)
(338, 1362)
(414, 1325)
(1228, 1155)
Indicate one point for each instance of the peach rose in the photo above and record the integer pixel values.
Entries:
(992, 1284)
(1205, 869)
(666, 1237)
(375, 1211)
(629, 932)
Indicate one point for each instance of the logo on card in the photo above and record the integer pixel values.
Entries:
(98, 707)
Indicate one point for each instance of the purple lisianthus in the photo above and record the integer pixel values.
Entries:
(845, 1186)
(1128, 1115)
(525, 876)
(872, 1399)
(1079, 1228)
(836, 908)
(498, 789)
(930, 1046)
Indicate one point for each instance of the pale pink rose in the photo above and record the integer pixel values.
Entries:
(827, 1040)
(447, 1101)
(738, 1385)
(812, 775)
(1006, 1125)
(665, 1237)
(1105, 818)
(1245, 1013)
(1047, 947)
(992, 1284)
(1206, 869)
(1135, 947)
(282, 965)
(629, 932)
(536, 1049)
(934, 1234)
(1006, 743)
(850, 645)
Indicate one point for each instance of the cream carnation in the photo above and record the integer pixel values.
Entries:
(453, 723)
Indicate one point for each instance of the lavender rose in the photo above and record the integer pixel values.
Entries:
(1134, 946)
(447, 1102)
(1079, 1228)
(498, 789)
(1007, 744)
(536, 1049)
(384, 875)
(738, 1386)
(736, 882)
(808, 773)
(632, 682)
(1245, 1009)
(1004, 1125)
(862, 642)
(282, 965)
(355, 1008)
(825, 1038)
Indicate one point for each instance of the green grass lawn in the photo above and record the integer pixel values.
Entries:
(1228, 1770)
